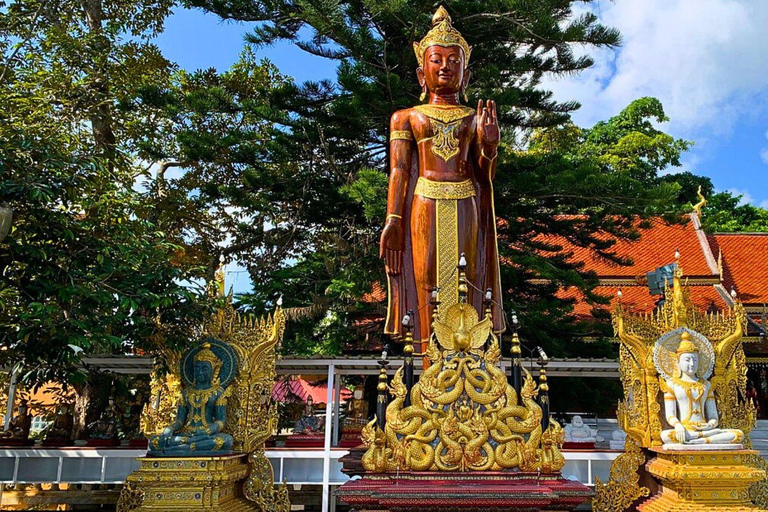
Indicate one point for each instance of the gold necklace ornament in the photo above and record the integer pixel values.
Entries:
(445, 122)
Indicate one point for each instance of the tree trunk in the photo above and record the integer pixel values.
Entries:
(100, 114)
(90, 399)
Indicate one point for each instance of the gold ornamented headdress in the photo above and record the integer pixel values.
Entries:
(686, 345)
(207, 355)
(441, 34)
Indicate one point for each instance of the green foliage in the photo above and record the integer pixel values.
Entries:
(86, 270)
(84, 273)
(370, 191)
(727, 213)
(577, 185)
(217, 188)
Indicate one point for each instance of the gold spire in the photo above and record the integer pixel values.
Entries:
(701, 204)
(441, 34)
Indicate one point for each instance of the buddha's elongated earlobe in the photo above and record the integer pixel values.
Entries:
(423, 93)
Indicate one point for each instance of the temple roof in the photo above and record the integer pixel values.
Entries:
(656, 246)
(745, 266)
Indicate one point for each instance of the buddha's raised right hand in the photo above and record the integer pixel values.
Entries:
(391, 246)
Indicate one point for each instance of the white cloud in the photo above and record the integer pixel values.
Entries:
(764, 155)
(764, 204)
(746, 197)
(704, 59)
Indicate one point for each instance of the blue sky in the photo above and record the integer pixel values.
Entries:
(194, 39)
(704, 59)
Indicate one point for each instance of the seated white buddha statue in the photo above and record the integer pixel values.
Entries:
(578, 432)
(690, 407)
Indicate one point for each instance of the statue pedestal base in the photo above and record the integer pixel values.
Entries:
(305, 441)
(351, 438)
(187, 483)
(17, 442)
(711, 481)
(578, 445)
(465, 492)
(55, 443)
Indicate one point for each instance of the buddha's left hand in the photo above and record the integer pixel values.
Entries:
(488, 134)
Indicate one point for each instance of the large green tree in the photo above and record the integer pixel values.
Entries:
(85, 268)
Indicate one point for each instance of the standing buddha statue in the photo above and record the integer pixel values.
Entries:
(440, 197)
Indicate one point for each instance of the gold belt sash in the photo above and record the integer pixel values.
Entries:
(446, 195)
(444, 189)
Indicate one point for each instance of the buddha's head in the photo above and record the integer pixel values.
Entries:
(207, 366)
(358, 393)
(687, 356)
(577, 421)
(443, 57)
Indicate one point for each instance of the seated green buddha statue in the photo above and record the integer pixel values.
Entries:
(199, 424)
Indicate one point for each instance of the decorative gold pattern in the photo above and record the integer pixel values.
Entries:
(400, 135)
(758, 492)
(166, 397)
(260, 486)
(447, 236)
(701, 204)
(463, 416)
(715, 481)
(623, 486)
(130, 498)
(184, 483)
(455, 335)
(445, 141)
(441, 34)
(639, 414)
(444, 190)
(446, 114)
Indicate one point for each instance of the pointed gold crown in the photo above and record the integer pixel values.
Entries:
(686, 345)
(207, 355)
(441, 34)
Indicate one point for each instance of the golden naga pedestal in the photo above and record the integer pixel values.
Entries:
(699, 476)
(243, 480)
(462, 437)
(463, 414)
(711, 481)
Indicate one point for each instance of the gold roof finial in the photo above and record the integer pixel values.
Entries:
(701, 204)
(442, 34)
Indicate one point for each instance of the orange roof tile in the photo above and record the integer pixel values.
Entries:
(745, 265)
(655, 247)
(638, 299)
(377, 294)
